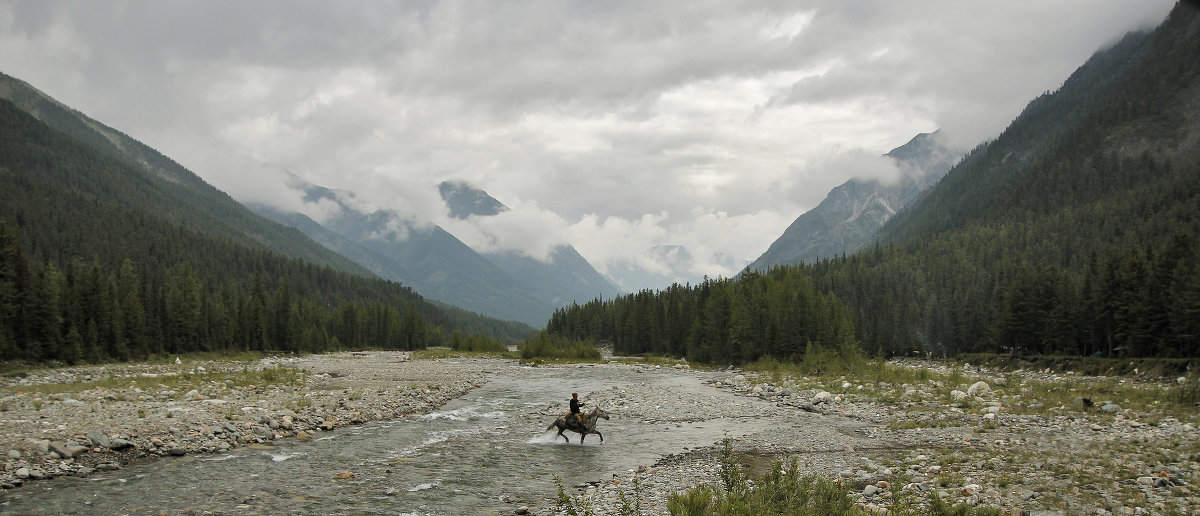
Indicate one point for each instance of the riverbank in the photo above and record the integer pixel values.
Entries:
(76, 421)
(1019, 441)
(1025, 442)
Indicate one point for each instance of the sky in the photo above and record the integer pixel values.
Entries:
(629, 129)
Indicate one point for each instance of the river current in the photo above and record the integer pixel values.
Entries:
(484, 453)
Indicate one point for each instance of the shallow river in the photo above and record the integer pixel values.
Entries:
(485, 453)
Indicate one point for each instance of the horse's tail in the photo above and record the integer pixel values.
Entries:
(551, 427)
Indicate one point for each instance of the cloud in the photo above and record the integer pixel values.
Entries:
(623, 128)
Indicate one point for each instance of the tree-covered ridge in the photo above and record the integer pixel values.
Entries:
(124, 171)
(1074, 232)
(85, 275)
(778, 314)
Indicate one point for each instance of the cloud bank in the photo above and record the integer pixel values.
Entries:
(622, 128)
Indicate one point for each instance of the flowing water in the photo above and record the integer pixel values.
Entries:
(485, 453)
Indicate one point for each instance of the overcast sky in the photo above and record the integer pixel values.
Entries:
(614, 126)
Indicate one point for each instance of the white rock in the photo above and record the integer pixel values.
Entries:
(979, 388)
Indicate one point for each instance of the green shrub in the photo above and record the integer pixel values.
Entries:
(557, 347)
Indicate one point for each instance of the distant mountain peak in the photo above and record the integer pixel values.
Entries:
(465, 200)
(852, 213)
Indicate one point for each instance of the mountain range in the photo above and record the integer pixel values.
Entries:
(1074, 233)
(851, 214)
(426, 257)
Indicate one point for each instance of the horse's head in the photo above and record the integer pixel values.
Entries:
(598, 412)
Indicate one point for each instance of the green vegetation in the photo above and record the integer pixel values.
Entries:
(481, 343)
(441, 352)
(547, 346)
(780, 314)
(783, 490)
(187, 380)
(101, 261)
(1074, 233)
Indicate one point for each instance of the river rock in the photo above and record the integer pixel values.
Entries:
(41, 445)
(979, 388)
(821, 397)
(870, 491)
(99, 439)
(343, 475)
(1110, 408)
(328, 424)
(67, 450)
(177, 452)
(119, 444)
(14, 454)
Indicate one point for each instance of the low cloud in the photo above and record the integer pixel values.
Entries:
(623, 129)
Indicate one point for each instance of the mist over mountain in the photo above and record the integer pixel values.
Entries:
(112, 251)
(851, 214)
(566, 277)
(465, 200)
(420, 255)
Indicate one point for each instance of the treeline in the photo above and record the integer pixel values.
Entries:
(85, 313)
(1130, 302)
(778, 314)
(1073, 233)
(97, 263)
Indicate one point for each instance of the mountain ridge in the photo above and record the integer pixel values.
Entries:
(852, 212)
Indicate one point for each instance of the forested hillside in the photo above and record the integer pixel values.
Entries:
(154, 184)
(86, 275)
(779, 314)
(1074, 232)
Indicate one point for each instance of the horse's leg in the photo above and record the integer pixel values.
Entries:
(582, 436)
(599, 434)
(560, 434)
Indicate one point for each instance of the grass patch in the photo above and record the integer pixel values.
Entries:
(783, 490)
(185, 380)
(439, 353)
(549, 347)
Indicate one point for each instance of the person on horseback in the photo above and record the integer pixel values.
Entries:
(575, 404)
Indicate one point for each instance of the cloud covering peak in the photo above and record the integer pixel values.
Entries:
(618, 127)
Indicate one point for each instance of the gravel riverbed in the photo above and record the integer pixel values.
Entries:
(978, 442)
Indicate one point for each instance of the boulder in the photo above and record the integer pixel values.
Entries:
(980, 388)
(99, 439)
(67, 450)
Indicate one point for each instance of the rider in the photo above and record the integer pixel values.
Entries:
(575, 404)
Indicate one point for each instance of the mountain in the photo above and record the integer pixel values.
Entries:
(164, 188)
(851, 214)
(106, 255)
(465, 200)
(565, 278)
(423, 256)
(1074, 232)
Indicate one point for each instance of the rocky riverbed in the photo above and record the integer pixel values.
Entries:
(1000, 439)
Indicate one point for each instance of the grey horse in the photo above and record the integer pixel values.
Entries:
(569, 422)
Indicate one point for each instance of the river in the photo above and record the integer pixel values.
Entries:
(484, 453)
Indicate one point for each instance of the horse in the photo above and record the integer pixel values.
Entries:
(568, 421)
